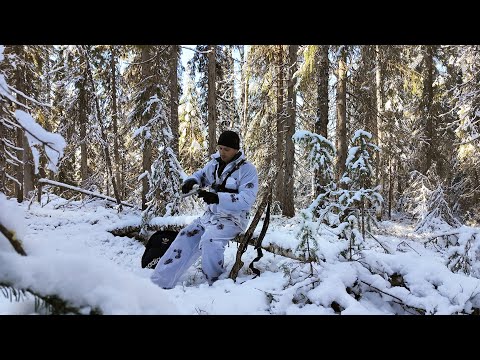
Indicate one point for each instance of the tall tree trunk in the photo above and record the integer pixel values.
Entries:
(27, 157)
(378, 125)
(105, 179)
(122, 175)
(289, 206)
(321, 122)
(174, 97)
(3, 163)
(400, 181)
(377, 128)
(41, 174)
(341, 142)
(147, 146)
(390, 188)
(28, 168)
(241, 51)
(82, 121)
(476, 184)
(103, 133)
(19, 84)
(47, 89)
(116, 152)
(212, 101)
(279, 190)
(231, 83)
(428, 100)
(121, 151)
(245, 107)
(19, 185)
(146, 165)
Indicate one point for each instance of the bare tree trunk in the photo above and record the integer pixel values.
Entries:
(41, 174)
(279, 190)
(378, 125)
(122, 175)
(146, 164)
(26, 157)
(341, 142)
(475, 195)
(212, 101)
(121, 151)
(400, 181)
(289, 206)
(19, 185)
(231, 82)
(116, 153)
(82, 121)
(428, 100)
(245, 107)
(321, 121)
(390, 188)
(241, 51)
(19, 84)
(28, 168)
(362, 212)
(147, 146)
(105, 179)
(103, 133)
(47, 126)
(3, 167)
(174, 97)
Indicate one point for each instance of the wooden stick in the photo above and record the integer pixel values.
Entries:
(10, 235)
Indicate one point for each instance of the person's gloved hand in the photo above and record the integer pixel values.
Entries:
(208, 197)
(188, 185)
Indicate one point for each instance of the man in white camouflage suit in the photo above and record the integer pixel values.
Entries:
(233, 184)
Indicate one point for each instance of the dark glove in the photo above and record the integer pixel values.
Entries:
(208, 197)
(188, 185)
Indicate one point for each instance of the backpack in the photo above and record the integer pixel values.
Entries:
(156, 246)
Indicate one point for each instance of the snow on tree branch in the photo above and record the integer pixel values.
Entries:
(38, 136)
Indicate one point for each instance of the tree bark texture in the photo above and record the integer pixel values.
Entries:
(212, 101)
(341, 142)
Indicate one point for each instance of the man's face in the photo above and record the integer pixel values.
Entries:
(226, 153)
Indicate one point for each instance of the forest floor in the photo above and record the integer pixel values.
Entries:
(424, 281)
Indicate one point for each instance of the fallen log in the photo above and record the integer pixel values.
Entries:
(134, 232)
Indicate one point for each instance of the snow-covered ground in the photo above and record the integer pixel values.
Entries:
(72, 253)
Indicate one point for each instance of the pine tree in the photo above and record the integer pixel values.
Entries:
(164, 180)
(356, 194)
(320, 154)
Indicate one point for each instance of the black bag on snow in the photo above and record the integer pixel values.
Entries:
(156, 246)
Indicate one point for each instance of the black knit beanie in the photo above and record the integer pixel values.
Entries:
(230, 139)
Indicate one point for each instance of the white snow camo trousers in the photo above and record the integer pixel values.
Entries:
(205, 238)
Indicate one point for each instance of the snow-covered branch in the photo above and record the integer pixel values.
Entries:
(83, 191)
